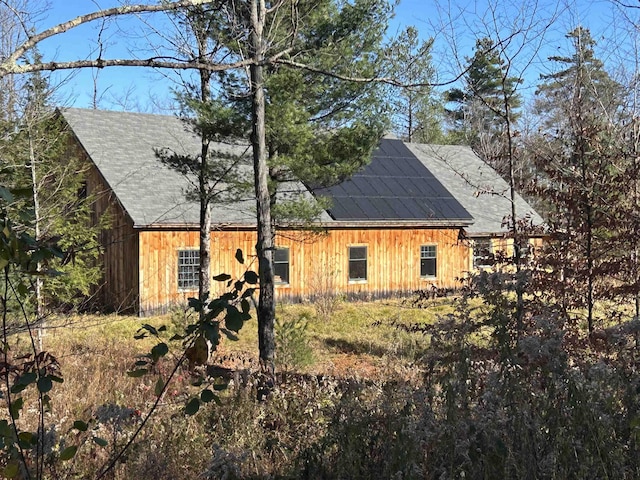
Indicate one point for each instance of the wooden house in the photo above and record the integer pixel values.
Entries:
(399, 225)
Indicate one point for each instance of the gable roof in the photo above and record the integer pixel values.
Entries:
(122, 146)
(395, 185)
(410, 184)
(478, 187)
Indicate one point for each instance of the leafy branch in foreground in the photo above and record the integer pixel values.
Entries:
(23, 453)
(226, 315)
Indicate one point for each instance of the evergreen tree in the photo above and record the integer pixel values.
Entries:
(417, 109)
(485, 106)
(304, 121)
(34, 157)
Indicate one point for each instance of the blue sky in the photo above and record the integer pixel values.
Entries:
(453, 23)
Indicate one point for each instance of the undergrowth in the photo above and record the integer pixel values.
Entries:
(457, 395)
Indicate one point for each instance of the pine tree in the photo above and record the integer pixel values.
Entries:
(417, 109)
(488, 102)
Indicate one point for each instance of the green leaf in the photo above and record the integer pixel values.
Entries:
(233, 320)
(80, 426)
(207, 395)
(138, 373)
(100, 441)
(27, 439)
(248, 292)
(239, 256)
(160, 350)
(251, 277)
(3, 262)
(45, 384)
(27, 379)
(5, 429)
(245, 306)
(68, 453)
(6, 195)
(56, 379)
(195, 303)
(16, 406)
(219, 387)
(223, 277)
(149, 328)
(193, 406)
(230, 335)
(18, 387)
(159, 387)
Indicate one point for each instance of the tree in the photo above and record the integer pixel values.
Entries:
(250, 25)
(417, 110)
(305, 125)
(488, 102)
(580, 105)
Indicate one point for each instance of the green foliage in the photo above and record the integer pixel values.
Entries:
(53, 201)
(488, 102)
(320, 129)
(224, 315)
(30, 375)
(292, 343)
(417, 109)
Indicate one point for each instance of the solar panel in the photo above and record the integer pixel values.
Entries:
(395, 185)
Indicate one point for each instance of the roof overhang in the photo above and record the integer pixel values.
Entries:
(369, 224)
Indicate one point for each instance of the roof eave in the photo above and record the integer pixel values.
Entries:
(333, 224)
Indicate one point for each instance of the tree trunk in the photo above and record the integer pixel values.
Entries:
(37, 235)
(204, 270)
(264, 247)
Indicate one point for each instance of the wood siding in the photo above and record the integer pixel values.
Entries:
(316, 262)
(118, 290)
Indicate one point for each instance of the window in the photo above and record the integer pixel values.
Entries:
(281, 266)
(357, 264)
(482, 253)
(428, 261)
(188, 266)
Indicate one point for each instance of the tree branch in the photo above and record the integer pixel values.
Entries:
(11, 64)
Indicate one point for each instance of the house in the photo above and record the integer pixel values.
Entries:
(485, 195)
(399, 225)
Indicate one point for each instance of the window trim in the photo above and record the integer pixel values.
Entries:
(287, 262)
(365, 260)
(434, 258)
(190, 284)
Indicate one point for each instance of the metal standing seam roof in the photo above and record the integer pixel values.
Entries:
(478, 187)
(394, 186)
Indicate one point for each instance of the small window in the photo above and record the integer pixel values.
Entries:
(357, 264)
(188, 269)
(281, 266)
(482, 253)
(428, 261)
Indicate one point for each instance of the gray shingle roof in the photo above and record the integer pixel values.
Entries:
(122, 145)
(477, 186)
(394, 186)
(405, 182)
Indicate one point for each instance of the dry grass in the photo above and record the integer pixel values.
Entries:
(378, 402)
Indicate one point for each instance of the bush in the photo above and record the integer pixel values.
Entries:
(292, 343)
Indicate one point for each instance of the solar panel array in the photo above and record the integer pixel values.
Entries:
(395, 185)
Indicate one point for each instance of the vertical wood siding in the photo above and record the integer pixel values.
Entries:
(118, 290)
(393, 261)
